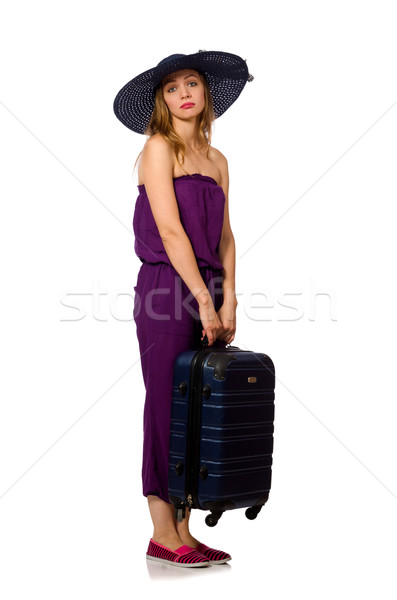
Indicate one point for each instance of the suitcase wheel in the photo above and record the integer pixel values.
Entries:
(252, 512)
(212, 519)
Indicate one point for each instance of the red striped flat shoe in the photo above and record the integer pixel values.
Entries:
(185, 556)
(216, 557)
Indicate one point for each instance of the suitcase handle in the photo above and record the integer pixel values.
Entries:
(204, 343)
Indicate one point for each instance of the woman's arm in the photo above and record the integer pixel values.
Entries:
(227, 256)
(157, 166)
(227, 246)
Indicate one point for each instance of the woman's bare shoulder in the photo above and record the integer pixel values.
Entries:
(156, 146)
(217, 156)
(156, 149)
(220, 161)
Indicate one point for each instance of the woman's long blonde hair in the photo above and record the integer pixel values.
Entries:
(161, 122)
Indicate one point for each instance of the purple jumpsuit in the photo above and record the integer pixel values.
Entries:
(165, 312)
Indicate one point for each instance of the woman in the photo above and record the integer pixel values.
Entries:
(186, 284)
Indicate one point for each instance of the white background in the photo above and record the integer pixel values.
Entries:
(311, 146)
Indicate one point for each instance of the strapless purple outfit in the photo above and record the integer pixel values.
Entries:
(166, 315)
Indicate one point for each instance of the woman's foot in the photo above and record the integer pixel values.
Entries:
(215, 557)
(171, 541)
(182, 557)
(188, 539)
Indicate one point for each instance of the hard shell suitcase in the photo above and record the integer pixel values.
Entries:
(221, 436)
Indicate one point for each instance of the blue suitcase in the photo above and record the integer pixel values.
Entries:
(221, 435)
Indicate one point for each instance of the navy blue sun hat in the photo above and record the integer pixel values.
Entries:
(225, 73)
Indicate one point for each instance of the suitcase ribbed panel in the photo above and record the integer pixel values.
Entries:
(237, 425)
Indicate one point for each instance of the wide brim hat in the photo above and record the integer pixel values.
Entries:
(225, 73)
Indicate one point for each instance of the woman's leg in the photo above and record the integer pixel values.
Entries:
(158, 356)
(164, 529)
(184, 533)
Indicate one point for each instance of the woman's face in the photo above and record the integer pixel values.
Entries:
(184, 88)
